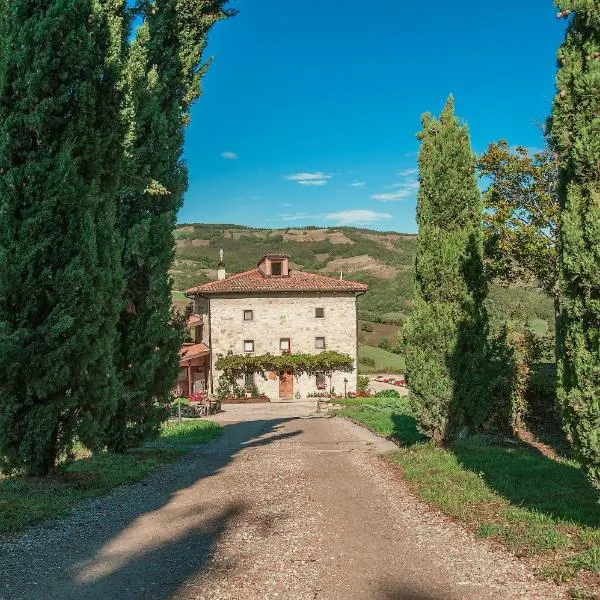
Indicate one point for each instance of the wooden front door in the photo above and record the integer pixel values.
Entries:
(286, 385)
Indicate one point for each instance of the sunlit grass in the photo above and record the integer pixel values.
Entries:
(501, 489)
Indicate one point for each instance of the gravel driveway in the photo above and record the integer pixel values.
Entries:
(285, 505)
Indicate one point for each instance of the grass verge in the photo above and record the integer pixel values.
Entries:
(188, 433)
(389, 417)
(25, 501)
(538, 507)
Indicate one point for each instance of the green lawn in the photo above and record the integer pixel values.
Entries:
(179, 297)
(501, 489)
(389, 417)
(28, 500)
(385, 362)
(188, 433)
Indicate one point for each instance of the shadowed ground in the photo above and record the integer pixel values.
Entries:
(284, 505)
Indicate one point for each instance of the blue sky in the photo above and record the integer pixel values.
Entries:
(310, 109)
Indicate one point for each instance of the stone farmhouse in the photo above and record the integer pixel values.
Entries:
(271, 309)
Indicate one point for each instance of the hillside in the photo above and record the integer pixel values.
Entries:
(382, 259)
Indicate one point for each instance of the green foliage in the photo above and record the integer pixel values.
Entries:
(521, 220)
(508, 492)
(188, 433)
(388, 394)
(388, 415)
(384, 344)
(233, 366)
(363, 383)
(446, 334)
(367, 361)
(60, 276)
(575, 134)
(162, 80)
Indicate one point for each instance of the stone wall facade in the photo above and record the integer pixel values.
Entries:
(277, 317)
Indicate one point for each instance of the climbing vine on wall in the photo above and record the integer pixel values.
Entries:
(235, 366)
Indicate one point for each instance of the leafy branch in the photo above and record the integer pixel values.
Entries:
(235, 366)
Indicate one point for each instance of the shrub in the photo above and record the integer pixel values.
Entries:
(388, 394)
(367, 361)
(384, 344)
(363, 384)
(543, 414)
(366, 327)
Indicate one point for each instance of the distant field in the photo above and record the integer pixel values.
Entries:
(385, 362)
(179, 297)
(377, 333)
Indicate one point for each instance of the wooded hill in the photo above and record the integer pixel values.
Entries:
(383, 260)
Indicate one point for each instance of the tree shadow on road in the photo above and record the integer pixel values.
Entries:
(407, 592)
(94, 553)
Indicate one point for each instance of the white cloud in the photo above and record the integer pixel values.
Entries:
(317, 182)
(316, 179)
(406, 189)
(229, 155)
(358, 184)
(286, 204)
(408, 172)
(357, 217)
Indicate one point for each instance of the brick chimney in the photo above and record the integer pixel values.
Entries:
(221, 274)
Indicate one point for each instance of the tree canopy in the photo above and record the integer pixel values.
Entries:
(446, 333)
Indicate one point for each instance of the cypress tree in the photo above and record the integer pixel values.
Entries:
(447, 331)
(165, 68)
(575, 131)
(60, 277)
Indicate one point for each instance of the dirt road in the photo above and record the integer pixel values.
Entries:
(285, 505)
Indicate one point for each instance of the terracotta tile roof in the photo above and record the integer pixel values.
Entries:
(254, 281)
(195, 320)
(191, 351)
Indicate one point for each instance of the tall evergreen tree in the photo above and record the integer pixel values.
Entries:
(447, 330)
(60, 276)
(575, 131)
(165, 69)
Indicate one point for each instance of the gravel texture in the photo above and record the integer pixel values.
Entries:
(285, 505)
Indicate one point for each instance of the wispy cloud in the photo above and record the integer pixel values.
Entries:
(298, 217)
(409, 186)
(316, 179)
(287, 204)
(391, 197)
(358, 184)
(408, 172)
(229, 155)
(357, 217)
(404, 189)
(343, 217)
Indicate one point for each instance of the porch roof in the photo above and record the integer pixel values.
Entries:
(192, 351)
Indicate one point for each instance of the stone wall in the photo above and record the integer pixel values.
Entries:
(285, 316)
